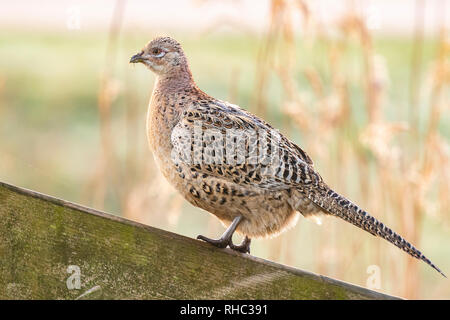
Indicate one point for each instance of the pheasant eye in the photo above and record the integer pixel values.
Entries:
(158, 53)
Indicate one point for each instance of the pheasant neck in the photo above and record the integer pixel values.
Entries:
(179, 78)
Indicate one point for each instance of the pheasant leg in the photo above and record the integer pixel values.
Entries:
(227, 238)
(244, 247)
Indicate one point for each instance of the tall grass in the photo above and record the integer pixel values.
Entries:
(401, 171)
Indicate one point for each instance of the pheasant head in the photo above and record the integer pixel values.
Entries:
(164, 56)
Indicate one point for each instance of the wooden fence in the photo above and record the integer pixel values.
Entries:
(54, 249)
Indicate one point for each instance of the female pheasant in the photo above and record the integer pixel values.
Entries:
(233, 164)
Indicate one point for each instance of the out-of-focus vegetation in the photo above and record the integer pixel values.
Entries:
(372, 112)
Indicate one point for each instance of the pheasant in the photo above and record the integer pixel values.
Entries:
(235, 165)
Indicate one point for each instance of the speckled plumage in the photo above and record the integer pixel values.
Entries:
(268, 197)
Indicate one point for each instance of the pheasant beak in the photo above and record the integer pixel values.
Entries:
(137, 58)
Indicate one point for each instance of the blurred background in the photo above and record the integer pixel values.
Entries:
(362, 86)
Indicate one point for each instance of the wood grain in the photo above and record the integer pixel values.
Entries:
(41, 236)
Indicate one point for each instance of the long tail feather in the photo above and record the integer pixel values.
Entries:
(339, 206)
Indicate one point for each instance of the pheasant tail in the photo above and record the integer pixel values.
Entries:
(337, 205)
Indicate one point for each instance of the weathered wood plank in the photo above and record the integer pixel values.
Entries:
(41, 236)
